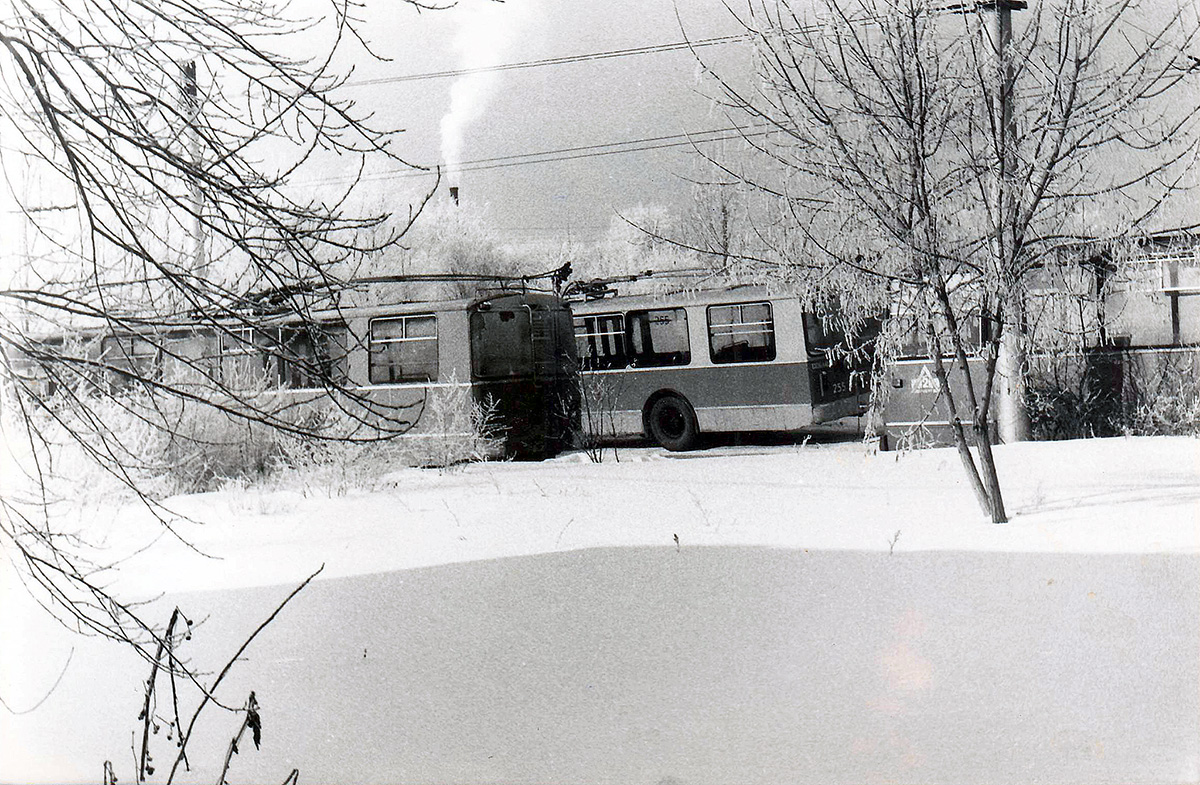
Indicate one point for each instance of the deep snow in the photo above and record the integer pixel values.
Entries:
(828, 614)
(1123, 495)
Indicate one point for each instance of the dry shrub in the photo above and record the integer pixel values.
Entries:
(1166, 402)
(100, 442)
(597, 406)
(158, 445)
(1114, 391)
(454, 429)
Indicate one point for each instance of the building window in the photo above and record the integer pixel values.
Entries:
(404, 349)
(741, 333)
(600, 342)
(658, 337)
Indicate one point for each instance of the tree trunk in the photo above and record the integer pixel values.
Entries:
(987, 471)
(987, 486)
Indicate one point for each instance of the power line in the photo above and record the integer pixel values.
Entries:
(553, 158)
(645, 143)
(586, 57)
(683, 137)
(562, 60)
(572, 153)
(635, 51)
(613, 148)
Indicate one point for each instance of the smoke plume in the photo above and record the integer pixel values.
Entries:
(486, 37)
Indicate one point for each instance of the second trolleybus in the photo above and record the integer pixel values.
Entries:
(731, 360)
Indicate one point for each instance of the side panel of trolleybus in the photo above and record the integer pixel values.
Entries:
(409, 373)
(763, 397)
(373, 371)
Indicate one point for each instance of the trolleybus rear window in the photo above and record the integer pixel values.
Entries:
(501, 344)
(658, 337)
(741, 333)
(404, 349)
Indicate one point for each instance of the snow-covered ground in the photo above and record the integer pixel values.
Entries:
(743, 614)
(1124, 495)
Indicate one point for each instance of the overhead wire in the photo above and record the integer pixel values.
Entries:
(585, 57)
(536, 158)
(547, 61)
(600, 153)
(594, 150)
(571, 153)
(579, 152)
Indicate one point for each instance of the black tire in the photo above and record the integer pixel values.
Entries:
(672, 423)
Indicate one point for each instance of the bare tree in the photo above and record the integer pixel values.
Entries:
(153, 152)
(942, 152)
(715, 224)
(453, 250)
(178, 679)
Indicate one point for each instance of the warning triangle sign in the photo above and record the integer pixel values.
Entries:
(925, 381)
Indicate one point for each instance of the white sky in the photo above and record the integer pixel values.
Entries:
(555, 107)
(548, 108)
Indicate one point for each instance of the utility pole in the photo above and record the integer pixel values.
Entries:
(1014, 425)
(1012, 410)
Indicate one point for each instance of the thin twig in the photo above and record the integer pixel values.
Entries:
(187, 736)
(250, 720)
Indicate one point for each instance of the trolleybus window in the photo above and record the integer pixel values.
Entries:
(34, 366)
(243, 358)
(600, 341)
(822, 335)
(914, 341)
(658, 337)
(132, 357)
(741, 333)
(403, 349)
(501, 344)
(312, 356)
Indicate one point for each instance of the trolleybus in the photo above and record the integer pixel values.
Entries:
(729, 360)
(379, 364)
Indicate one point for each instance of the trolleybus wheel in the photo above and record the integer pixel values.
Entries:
(672, 423)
